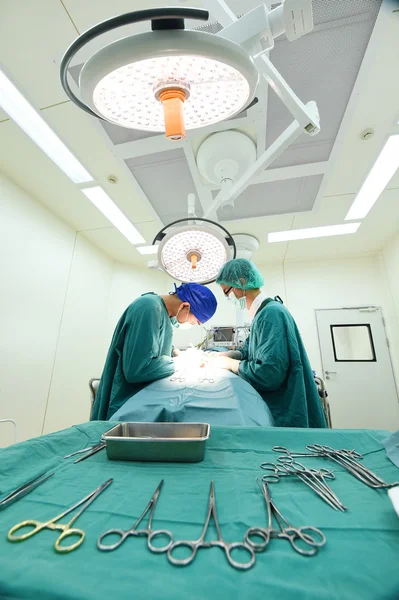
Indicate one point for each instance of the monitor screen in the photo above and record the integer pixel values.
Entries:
(223, 334)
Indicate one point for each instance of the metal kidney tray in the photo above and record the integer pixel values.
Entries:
(157, 442)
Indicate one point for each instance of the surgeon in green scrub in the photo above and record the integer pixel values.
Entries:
(273, 360)
(141, 346)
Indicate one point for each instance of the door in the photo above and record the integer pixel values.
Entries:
(357, 368)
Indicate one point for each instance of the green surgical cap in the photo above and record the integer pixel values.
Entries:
(240, 273)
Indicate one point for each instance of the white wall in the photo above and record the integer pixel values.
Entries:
(335, 284)
(128, 283)
(83, 341)
(46, 280)
(390, 255)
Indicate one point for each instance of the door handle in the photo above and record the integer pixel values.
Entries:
(328, 373)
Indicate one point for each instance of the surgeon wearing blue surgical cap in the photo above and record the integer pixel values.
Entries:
(141, 347)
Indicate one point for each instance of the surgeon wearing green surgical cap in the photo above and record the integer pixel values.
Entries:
(273, 359)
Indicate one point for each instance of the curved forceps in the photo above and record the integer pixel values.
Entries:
(274, 472)
(194, 545)
(205, 378)
(149, 532)
(327, 450)
(348, 460)
(66, 529)
(287, 531)
(179, 378)
(292, 466)
(315, 450)
(315, 479)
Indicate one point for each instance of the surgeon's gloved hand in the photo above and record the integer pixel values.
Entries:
(224, 362)
(236, 354)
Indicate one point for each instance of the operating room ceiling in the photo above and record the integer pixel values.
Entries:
(342, 64)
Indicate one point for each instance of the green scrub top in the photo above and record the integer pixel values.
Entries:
(140, 352)
(275, 363)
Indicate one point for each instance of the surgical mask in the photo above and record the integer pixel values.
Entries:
(177, 325)
(239, 303)
(186, 325)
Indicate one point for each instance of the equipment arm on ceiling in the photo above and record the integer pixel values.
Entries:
(279, 145)
(306, 115)
(261, 23)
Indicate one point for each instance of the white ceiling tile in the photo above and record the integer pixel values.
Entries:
(27, 166)
(115, 245)
(33, 37)
(79, 131)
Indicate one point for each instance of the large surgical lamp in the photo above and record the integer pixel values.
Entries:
(168, 79)
(194, 250)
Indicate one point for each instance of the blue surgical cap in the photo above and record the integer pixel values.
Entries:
(202, 301)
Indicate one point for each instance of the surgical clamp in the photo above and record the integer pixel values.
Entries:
(314, 479)
(194, 545)
(307, 534)
(134, 531)
(66, 529)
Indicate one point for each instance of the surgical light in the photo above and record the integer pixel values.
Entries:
(168, 79)
(23, 113)
(103, 202)
(194, 252)
(377, 180)
(313, 232)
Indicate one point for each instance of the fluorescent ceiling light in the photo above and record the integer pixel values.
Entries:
(147, 249)
(104, 203)
(312, 232)
(23, 113)
(376, 181)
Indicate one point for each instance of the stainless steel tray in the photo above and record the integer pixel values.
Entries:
(157, 442)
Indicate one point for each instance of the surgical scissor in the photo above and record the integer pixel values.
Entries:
(66, 529)
(206, 378)
(353, 466)
(307, 534)
(345, 458)
(24, 489)
(148, 531)
(284, 450)
(194, 545)
(176, 377)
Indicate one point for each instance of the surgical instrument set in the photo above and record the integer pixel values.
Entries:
(305, 535)
(314, 479)
(66, 529)
(345, 458)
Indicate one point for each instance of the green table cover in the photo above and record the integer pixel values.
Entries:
(359, 560)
